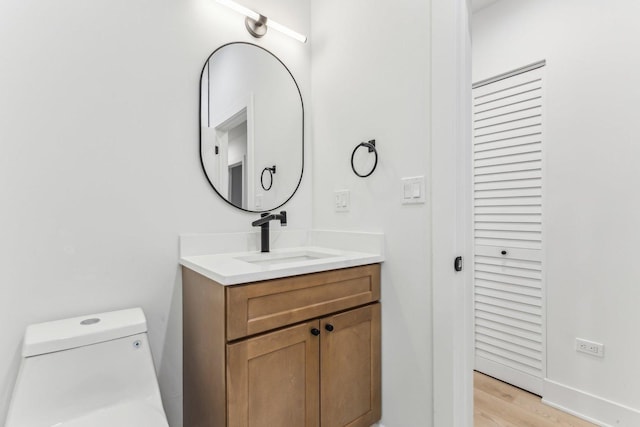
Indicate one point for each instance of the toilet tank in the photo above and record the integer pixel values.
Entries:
(76, 367)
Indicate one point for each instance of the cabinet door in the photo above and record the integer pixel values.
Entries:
(273, 379)
(350, 368)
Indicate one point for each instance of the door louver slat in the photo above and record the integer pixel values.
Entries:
(508, 329)
(518, 184)
(512, 323)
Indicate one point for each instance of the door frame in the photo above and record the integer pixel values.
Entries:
(238, 111)
(450, 213)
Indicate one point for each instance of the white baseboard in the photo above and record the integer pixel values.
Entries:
(591, 408)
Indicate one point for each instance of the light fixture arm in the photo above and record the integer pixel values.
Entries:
(257, 28)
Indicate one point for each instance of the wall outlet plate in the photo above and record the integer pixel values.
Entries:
(342, 200)
(590, 347)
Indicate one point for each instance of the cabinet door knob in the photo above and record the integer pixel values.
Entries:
(329, 327)
(315, 331)
(503, 252)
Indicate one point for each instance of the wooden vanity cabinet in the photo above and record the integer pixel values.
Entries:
(301, 351)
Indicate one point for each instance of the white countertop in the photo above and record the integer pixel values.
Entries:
(245, 267)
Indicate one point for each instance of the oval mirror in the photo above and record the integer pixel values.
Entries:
(251, 127)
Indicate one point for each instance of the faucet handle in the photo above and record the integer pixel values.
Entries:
(263, 221)
(283, 217)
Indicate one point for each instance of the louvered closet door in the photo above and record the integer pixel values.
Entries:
(508, 280)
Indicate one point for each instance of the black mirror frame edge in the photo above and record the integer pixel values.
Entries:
(200, 127)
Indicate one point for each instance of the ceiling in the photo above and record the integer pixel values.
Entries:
(476, 5)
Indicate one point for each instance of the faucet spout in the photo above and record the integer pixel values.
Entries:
(263, 223)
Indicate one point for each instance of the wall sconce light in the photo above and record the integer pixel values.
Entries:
(257, 24)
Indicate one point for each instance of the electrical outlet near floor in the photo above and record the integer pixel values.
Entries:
(590, 347)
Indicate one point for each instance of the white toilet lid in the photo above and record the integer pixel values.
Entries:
(130, 414)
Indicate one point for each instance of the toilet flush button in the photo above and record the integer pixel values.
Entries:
(90, 321)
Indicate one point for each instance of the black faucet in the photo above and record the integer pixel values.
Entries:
(263, 223)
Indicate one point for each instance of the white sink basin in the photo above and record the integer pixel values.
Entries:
(275, 258)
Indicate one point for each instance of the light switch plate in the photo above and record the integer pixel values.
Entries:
(413, 190)
(342, 200)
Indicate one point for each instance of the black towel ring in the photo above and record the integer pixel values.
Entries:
(271, 170)
(371, 146)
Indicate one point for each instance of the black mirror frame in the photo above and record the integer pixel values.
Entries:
(200, 127)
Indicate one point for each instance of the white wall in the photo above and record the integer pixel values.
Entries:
(370, 79)
(591, 206)
(99, 164)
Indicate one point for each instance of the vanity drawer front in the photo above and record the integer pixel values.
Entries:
(262, 306)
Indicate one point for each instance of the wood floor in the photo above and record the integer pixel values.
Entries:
(497, 404)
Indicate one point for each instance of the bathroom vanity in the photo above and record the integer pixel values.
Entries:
(282, 338)
(291, 350)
